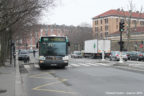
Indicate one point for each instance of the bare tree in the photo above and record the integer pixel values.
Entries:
(16, 16)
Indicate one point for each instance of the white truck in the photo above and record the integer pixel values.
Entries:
(95, 48)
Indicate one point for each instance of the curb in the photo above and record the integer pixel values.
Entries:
(120, 64)
(18, 83)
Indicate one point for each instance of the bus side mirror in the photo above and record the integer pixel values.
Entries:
(68, 43)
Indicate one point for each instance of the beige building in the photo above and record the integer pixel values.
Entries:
(108, 22)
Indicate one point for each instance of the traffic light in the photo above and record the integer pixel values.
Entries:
(121, 43)
(121, 26)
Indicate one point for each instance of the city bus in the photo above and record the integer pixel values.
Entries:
(53, 51)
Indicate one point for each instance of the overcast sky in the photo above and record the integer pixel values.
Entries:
(75, 12)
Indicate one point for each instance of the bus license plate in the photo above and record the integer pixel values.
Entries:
(53, 64)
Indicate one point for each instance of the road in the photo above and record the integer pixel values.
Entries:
(83, 77)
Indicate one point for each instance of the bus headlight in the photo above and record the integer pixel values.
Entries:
(65, 58)
(41, 61)
(41, 58)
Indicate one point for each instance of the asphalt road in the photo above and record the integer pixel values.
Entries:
(83, 77)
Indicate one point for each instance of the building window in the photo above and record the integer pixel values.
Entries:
(106, 34)
(101, 35)
(134, 22)
(101, 21)
(101, 28)
(96, 22)
(106, 28)
(106, 21)
(96, 29)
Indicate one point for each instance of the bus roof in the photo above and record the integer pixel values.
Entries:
(53, 36)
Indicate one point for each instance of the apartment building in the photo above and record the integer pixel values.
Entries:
(34, 36)
(108, 22)
(76, 34)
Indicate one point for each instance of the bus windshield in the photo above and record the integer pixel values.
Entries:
(53, 49)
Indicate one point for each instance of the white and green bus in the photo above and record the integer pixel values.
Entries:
(53, 51)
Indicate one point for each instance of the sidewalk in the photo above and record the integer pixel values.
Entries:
(7, 80)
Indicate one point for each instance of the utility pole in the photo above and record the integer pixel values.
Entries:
(121, 43)
(103, 51)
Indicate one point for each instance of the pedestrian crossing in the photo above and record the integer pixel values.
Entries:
(88, 64)
(71, 65)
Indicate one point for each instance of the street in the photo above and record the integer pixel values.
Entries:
(83, 77)
(72, 48)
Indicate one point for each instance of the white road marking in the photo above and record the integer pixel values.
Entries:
(92, 64)
(73, 65)
(103, 64)
(84, 65)
(27, 66)
(36, 65)
(131, 68)
(76, 65)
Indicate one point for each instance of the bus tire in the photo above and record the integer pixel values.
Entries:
(41, 67)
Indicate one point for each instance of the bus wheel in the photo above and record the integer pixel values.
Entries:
(41, 67)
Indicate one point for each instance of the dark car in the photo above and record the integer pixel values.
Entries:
(23, 55)
(139, 56)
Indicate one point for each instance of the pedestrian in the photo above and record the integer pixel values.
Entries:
(34, 53)
(14, 56)
(26, 59)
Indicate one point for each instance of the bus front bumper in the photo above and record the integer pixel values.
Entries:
(48, 63)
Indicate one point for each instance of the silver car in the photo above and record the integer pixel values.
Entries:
(115, 55)
(76, 54)
(23, 55)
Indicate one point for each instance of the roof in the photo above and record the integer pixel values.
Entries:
(120, 13)
(138, 30)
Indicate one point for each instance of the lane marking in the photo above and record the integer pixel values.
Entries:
(84, 65)
(131, 69)
(93, 64)
(44, 78)
(36, 65)
(39, 88)
(75, 65)
(58, 91)
(47, 84)
(38, 75)
(27, 66)
(103, 64)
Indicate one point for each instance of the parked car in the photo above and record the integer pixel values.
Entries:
(136, 56)
(30, 50)
(23, 55)
(76, 54)
(131, 54)
(115, 55)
